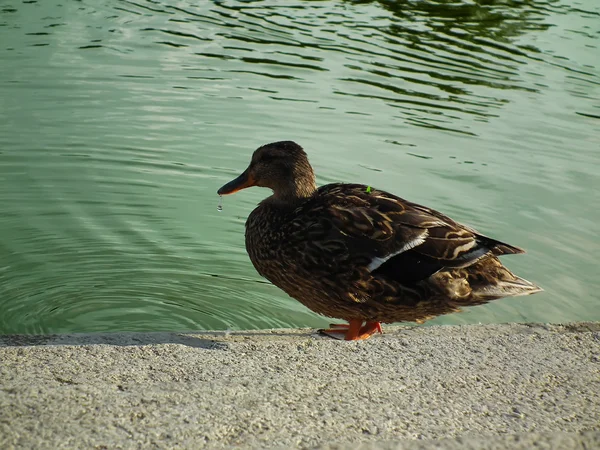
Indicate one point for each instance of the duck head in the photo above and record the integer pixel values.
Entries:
(282, 167)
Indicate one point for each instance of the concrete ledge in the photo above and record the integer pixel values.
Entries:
(485, 387)
(524, 441)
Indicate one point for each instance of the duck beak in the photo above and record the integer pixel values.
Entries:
(242, 182)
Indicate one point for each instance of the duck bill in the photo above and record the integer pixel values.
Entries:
(242, 182)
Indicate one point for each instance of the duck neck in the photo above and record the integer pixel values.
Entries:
(293, 192)
(298, 188)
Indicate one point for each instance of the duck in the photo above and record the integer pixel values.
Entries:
(363, 255)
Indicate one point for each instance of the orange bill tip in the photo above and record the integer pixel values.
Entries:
(242, 182)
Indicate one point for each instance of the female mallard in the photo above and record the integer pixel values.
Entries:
(363, 255)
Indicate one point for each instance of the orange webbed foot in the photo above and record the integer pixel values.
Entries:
(353, 331)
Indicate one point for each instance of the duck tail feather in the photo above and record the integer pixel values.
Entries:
(507, 288)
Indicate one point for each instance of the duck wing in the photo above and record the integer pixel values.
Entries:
(398, 239)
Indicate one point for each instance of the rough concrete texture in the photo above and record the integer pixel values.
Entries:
(484, 387)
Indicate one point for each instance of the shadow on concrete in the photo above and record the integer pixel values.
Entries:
(119, 339)
(220, 340)
(211, 340)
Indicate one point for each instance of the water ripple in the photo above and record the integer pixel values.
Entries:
(119, 120)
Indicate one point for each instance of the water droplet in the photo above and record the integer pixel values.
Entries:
(220, 205)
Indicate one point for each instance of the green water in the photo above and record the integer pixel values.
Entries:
(119, 122)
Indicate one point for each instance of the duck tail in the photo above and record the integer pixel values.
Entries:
(506, 288)
(500, 248)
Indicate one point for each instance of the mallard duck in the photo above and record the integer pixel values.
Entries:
(352, 252)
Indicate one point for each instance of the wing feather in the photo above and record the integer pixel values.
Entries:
(400, 239)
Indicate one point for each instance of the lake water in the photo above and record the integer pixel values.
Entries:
(120, 119)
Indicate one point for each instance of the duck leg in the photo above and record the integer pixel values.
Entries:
(353, 331)
(369, 330)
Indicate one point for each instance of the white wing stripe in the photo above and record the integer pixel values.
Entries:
(377, 261)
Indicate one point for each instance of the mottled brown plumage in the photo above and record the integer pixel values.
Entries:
(364, 255)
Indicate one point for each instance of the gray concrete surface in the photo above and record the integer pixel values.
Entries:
(469, 387)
